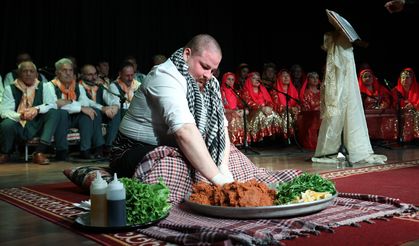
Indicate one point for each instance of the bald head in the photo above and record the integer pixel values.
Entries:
(202, 42)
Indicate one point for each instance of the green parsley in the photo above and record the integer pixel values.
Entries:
(288, 191)
(145, 202)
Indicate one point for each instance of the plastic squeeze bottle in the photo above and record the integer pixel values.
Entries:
(98, 203)
(115, 195)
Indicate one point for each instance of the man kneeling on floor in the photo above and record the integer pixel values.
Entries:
(27, 110)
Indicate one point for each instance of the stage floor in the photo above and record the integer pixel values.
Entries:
(30, 229)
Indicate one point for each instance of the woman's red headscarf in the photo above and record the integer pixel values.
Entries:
(230, 99)
(292, 91)
(305, 84)
(375, 84)
(413, 96)
(260, 98)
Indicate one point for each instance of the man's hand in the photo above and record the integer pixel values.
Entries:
(89, 111)
(29, 114)
(110, 111)
(394, 6)
(221, 179)
(62, 102)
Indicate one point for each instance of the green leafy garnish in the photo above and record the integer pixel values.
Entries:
(145, 202)
(288, 191)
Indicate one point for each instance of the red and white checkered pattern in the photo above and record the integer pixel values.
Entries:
(169, 164)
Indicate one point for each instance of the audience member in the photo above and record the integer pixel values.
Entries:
(286, 102)
(102, 68)
(74, 103)
(263, 120)
(158, 59)
(297, 75)
(100, 98)
(269, 75)
(125, 85)
(406, 100)
(137, 74)
(12, 75)
(374, 95)
(241, 75)
(308, 121)
(375, 99)
(28, 109)
(233, 109)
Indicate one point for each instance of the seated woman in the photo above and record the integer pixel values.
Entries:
(308, 121)
(233, 109)
(406, 100)
(377, 98)
(263, 120)
(374, 95)
(285, 98)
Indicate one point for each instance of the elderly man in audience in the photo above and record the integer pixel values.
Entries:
(28, 109)
(72, 99)
(12, 75)
(100, 98)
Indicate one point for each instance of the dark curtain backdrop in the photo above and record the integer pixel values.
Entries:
(284, 32)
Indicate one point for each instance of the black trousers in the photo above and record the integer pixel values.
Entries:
(127, 154)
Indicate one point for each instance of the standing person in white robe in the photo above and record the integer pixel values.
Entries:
(341, 108)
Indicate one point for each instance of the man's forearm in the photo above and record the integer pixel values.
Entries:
(193, 147)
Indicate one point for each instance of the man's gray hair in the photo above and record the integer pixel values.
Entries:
(19, 67)
(60, 63)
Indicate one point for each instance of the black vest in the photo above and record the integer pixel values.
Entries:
(17, 95)
(99, 95)
(121, 92)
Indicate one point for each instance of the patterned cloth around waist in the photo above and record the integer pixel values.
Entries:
(168, 163)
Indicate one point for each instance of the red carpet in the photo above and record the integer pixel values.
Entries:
(401, 183)
(53, 202)
(393, 180)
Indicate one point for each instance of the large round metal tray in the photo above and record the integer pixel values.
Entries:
(280, 211)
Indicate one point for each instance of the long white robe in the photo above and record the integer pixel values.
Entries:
(341, 108)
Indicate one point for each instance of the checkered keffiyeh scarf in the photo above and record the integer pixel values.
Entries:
(207, 109)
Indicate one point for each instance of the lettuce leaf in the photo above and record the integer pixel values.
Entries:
(145, 202)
